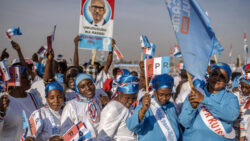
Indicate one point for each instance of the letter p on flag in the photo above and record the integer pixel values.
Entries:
(156, 66)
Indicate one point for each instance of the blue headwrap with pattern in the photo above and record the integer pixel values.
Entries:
(80, 77)
(53, 86)
(128, 84)
(163, 81)
(223, 66)
(245, 77)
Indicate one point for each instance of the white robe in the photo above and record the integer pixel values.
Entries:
(77, 110)
(48, 116)
(11, 127)
(113, 123)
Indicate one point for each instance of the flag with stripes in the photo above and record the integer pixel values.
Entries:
(15, 74)
(5, 72)
(51, 38)
(177, 52)
(245, 43)
(156, 66)
(118, 53)
(13, 31)
(78, 132)
(150, 51)
(42, 51)
(144, 41)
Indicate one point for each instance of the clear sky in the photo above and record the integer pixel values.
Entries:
(230, 18)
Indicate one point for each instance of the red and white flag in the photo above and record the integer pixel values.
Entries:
(245, 37)
(15, 74)
(35, 122)
(77, 132)
(42, 50)
(156, 66)
(118, 53)
(5, 72)
(51, 38)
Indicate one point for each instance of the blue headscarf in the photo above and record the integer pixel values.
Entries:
(223, 66)
(53, 86)
(80, 77)
(128, 84)
(244, 75)
(163, 81)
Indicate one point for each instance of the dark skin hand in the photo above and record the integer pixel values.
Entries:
(145, 105)
(4, 54)
(195, 98)
(30, 139)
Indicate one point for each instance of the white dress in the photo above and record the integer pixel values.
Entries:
(100, 79)
(11, 125)
(50, 123)
(113, 123)
(77, 110)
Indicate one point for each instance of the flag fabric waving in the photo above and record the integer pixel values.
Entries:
(118, 53)
(156, 66)
(144, 41)
(245, 43)
(5, 72)
(15, 73)
(194, 35)
(177, 52)
(13, 31)
(51, 38)
(150, 51)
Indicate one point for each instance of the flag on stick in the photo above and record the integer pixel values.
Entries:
(156, 66)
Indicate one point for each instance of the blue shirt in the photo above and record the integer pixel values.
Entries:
(148, 129)
(223, 105)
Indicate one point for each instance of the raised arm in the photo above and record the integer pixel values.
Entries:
(76, 56)
(110, 58)
(4, 55)
(48, 70)
(21, 58)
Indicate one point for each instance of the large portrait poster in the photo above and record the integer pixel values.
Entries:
(96, 24)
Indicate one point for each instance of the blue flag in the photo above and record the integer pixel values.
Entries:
(194, 35)
(25, 120)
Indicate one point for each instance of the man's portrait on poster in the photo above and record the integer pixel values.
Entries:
(97, 12)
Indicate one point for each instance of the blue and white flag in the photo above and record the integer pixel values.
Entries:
(144, 41)
(13, 31)
(177, 52)
(194, 35)
(150, 51)
(5, 71)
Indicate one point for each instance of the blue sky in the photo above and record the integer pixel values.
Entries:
(230, 18)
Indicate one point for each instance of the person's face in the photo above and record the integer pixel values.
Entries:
(127, 99)
(70, 77)
(245, 88)
(86, 88)
(55, 99)
(163, 95)
(218, 79)
(97, 9)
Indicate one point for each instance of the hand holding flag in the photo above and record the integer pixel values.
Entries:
(51, 38)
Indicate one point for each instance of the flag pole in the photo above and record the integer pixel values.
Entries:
(93, 57)
(215, 58)
(142, 56)
(190, 80)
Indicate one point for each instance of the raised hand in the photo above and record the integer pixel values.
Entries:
(49, 55)
(15, 45)
(30, 139)
(4, 103)
(77, 39)
(4, 54)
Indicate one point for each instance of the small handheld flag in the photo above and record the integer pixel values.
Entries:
(5, 72)
(150, 51)
(245, 43)
(118, 53)
(156, 66)
(144, 41)
(13, 31)
(78, 132)
(42, 51)
(51, 38)
(177, 52)
(15, 73)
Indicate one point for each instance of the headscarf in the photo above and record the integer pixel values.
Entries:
(80, 77)
(245, 77)
(128, 84)
(223, 66)
(163, 81)
(53, 86)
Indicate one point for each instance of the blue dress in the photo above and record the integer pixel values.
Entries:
(223, 105)
(148, 129)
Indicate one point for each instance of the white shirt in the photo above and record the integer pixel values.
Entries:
(184, 92)
(101, 79)
(113, 123)
(77, 110)
(11, 127)
(49, 119)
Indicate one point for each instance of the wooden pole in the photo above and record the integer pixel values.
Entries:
(93, 57)
(190, 81)
(215, 58)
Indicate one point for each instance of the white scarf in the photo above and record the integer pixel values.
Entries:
(163, 121)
